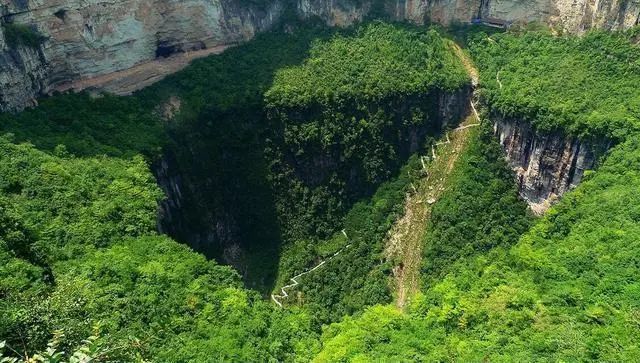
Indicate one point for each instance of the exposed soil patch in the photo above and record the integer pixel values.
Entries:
(406, 238)
(127, 81)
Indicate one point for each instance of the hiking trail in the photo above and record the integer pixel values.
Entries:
(406, 238)
(277, 298)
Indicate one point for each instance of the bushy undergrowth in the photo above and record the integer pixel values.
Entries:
(378, 61)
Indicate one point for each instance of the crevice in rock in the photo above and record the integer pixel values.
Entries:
(61, 14)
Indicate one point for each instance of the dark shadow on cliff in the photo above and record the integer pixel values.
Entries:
(214, 170)
(219, 198)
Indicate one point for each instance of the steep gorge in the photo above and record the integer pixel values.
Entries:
(296, 153)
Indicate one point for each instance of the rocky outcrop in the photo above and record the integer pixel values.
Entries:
(88, 39)
(546, 165)
(91, 38)
(23, 73)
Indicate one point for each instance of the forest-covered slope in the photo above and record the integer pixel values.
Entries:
(278, 146)
(83, 250)
(78, 249)
(568, 289)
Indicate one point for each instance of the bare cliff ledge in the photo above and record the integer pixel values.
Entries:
(546, 164)
(85, 39)
(88, 40)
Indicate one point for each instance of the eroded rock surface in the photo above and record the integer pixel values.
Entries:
(88, 39)
(546, 165)
(23, 73)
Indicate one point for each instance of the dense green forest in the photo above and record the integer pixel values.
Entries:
(379, 61)
(567, 289)
(79, 248)
(584, 86)
(221, 120)
(303, 141)
(480, 209)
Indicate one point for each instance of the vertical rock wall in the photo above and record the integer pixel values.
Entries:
(23, 73)
(574, 16)
(546, 165)
(90, 38)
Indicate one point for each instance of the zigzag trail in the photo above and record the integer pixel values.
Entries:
(277, 298)
(404, 239)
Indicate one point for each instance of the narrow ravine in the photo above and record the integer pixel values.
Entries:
(406, 238)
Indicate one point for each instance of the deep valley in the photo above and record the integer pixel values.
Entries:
(332, 181)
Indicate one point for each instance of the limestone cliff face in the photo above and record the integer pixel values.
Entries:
(93, 38)
(575, 16)
(579, 15)
(546, 165)
(89, 38)
(23, 73)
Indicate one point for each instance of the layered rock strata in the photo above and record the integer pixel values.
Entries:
(546, 164)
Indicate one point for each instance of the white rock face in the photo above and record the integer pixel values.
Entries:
(91, 38)
(546, 165)
(574, 16)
